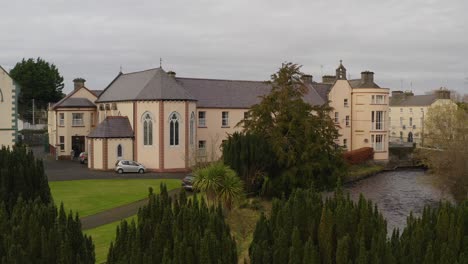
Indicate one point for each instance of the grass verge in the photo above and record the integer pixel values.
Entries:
(88, 197)
(102, 237)
(357, 172)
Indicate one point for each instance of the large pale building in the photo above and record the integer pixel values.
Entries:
(408, 111)
(360, 110)
(9, 92)
(167, 123)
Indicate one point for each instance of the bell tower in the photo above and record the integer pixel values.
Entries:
(341, 72)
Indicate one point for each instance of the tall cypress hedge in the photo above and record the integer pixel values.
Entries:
(174, 231)
(306, 229)
(31, 228)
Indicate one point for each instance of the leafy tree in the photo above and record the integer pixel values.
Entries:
(220, 183)
(39, 80)
(301, 136)
(446, 152)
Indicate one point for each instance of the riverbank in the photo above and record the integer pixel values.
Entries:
(362, 171)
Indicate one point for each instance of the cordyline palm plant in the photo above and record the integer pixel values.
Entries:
(220, 183)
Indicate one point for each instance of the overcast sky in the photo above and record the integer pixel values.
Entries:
(423, 42)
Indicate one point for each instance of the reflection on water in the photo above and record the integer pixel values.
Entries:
(397, 193)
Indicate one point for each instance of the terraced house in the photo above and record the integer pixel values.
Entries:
(9, 92)
(167, 123)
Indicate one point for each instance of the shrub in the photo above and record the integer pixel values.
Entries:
(359, 156)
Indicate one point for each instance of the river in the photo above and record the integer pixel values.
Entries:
(399, 192)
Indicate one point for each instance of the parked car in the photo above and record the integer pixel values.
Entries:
(83, 157)
(187, 182)
(122, 166)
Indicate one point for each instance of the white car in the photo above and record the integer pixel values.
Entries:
(122, 166)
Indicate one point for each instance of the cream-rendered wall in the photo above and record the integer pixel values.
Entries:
(174, 156)
(340, 91)
(97, 154)
(405, 126)
(361, 123)
(214, 133)
(68, 130)
(127, 150)
(123, 109)
(147, 155)
(7, 103)
(84, 93)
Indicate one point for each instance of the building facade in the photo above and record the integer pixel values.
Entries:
(169, 123)
(71, 120)
(407, 114)
(360, 112)
(9, 92)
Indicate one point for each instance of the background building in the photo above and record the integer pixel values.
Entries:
(407, 113)
(9, 92)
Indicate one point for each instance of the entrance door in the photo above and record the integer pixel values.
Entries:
(78, 145)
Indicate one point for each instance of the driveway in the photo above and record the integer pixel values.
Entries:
(66, 170)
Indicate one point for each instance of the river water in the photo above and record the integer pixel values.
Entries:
(399, 192)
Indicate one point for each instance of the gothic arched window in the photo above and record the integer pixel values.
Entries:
(119, 151)
(174, 129)
(147, 129)
(192, 128)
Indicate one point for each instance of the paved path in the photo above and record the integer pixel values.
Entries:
(117, 213)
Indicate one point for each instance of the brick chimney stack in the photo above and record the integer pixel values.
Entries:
(79, 83)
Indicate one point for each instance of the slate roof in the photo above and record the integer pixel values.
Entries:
(414, 100)
(75, 102)
(113, 127)
(323, 89)
(153, 84)
(358, 83)
(96, 92)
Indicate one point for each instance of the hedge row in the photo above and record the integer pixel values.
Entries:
(359, 156)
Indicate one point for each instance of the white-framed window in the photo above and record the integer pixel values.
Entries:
(77, 119)
(62, 143)
(174, 121)
(147, 120)
(345, 143)
(225, 119)
(411, 121)
(201, 119)
(378, 142)
(378, 99)
(378, 120)
(345, 103)
(401, 121)
(61, 119)
(119, 151)
(192, 128)
(337, 117)
(347, 120)
(411, 110)
(91, 119)
(114, 106)
(246, 115)
(202, 148)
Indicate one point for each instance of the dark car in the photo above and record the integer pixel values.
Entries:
(83, 157)
(187, 182)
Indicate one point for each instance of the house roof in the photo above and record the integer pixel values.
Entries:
(72, 102)
(75, 102)
(96, 92)
(359, 83)
(323, 89)
(413, 100)
(153, 84)
(113, 127)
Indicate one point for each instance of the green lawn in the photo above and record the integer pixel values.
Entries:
(102, 237)
(89, 197)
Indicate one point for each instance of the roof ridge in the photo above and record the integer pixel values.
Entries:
(128, 73)
(226, 80)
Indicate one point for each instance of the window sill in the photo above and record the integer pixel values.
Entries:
(225, 127)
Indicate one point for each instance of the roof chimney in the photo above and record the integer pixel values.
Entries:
(79, 83)
(397, 94)
(443, 93)
(306, 78)
(367, 77)
(171, 73)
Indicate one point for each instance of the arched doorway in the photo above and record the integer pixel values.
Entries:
(410, 137)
